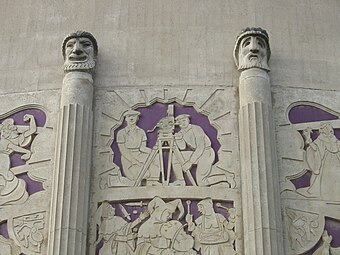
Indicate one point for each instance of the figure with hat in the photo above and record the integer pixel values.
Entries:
(323, 160)
(131, 142)
(13, 190)
(212, 231)
(118, 235)
(195, 146)
(161, 234)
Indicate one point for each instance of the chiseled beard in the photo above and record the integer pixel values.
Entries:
(244, 65)
(87, 66)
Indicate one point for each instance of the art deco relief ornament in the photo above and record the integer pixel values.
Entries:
(80, 51)
(252, 49)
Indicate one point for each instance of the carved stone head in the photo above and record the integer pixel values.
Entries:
(252, 49)
(80, 51)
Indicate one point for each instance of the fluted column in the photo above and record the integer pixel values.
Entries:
(260, 182)
(70, 197)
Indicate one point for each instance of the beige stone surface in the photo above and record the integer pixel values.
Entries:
(152, 42)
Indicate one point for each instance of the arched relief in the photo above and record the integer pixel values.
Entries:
(311, 163)
(225, 139)
(170, 145)
(26, 155)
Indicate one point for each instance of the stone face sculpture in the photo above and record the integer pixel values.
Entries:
(252, 49)
(80, 51)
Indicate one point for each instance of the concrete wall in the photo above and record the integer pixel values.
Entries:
(181, 42)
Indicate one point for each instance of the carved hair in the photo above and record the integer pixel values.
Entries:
(80, 34)
(251, 31)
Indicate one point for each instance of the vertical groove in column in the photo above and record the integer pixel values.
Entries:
(257, 177)
(72, 178)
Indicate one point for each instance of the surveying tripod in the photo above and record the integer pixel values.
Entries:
(165, 141)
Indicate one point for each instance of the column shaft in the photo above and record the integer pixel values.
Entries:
(70, 198)
(260, 197)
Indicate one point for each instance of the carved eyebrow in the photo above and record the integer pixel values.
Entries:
(260, 40)
(71, 41)
(85, 41)
(246, 41)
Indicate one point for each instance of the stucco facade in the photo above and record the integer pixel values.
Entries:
(169, 142)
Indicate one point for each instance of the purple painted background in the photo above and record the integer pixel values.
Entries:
(305, 114)
(149, 118)
(31, 186)
(193, 211)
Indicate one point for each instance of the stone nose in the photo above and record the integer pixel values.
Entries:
(76, 49)
(254, 46)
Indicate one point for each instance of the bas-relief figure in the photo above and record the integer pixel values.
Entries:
(202, 155)
(12, 189)
(252, 49)
(80, 51)
(132, 145)
(213, 233)
(188, 147)
(325, 248)
(158, 231)
(321, 160)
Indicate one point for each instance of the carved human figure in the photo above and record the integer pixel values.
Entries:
(161, 234)
(252, 49)
(213, 233)
(325, 248)
(195, 146)
(131, 142)
(117, 234)
(323, 160)
(12, 190)
(80, 51)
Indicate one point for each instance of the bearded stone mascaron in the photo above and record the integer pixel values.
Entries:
(252, 49)
(80, 51)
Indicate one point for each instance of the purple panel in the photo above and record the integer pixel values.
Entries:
(40, 117)
(307, 113)
(15, 158)
(32, 186)
(3, 229)
(303, 181)
(333, 229)
(151, 115)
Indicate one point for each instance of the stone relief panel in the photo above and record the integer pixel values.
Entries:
(308, 135)
(26, 159)
(166, 165)
(166, 227)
